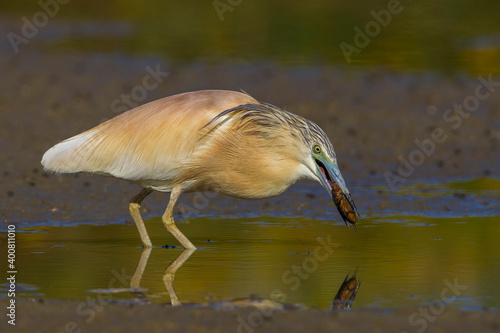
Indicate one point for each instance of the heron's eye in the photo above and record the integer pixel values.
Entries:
(317, 149)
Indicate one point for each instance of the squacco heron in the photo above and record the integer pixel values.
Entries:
(216, 140)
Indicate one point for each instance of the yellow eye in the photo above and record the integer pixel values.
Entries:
(317, 149)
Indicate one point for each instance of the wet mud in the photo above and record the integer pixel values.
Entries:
(60, 316)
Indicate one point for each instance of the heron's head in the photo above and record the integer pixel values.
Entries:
(322, 162)
(290, 138)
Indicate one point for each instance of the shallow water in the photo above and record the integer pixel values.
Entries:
(403, 258)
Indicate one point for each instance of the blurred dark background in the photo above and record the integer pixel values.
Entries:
(451, 36)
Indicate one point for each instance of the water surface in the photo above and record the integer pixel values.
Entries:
(399, 258)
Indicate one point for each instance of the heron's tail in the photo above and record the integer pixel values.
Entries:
(70, 155)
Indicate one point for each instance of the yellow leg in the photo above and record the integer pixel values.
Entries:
(134, 207)
(168, 221)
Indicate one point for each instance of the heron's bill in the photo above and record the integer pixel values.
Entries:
(331, 179)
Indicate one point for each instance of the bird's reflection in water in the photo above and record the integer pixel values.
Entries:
(343, 299)
(168, 275)
(347, 293)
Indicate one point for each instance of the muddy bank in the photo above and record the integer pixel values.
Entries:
(62, 316)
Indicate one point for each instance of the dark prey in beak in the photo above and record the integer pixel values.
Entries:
(333, 181)
(344, 204)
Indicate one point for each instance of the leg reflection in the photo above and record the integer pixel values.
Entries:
(135, 282)
(141, 266)
(169, 274)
